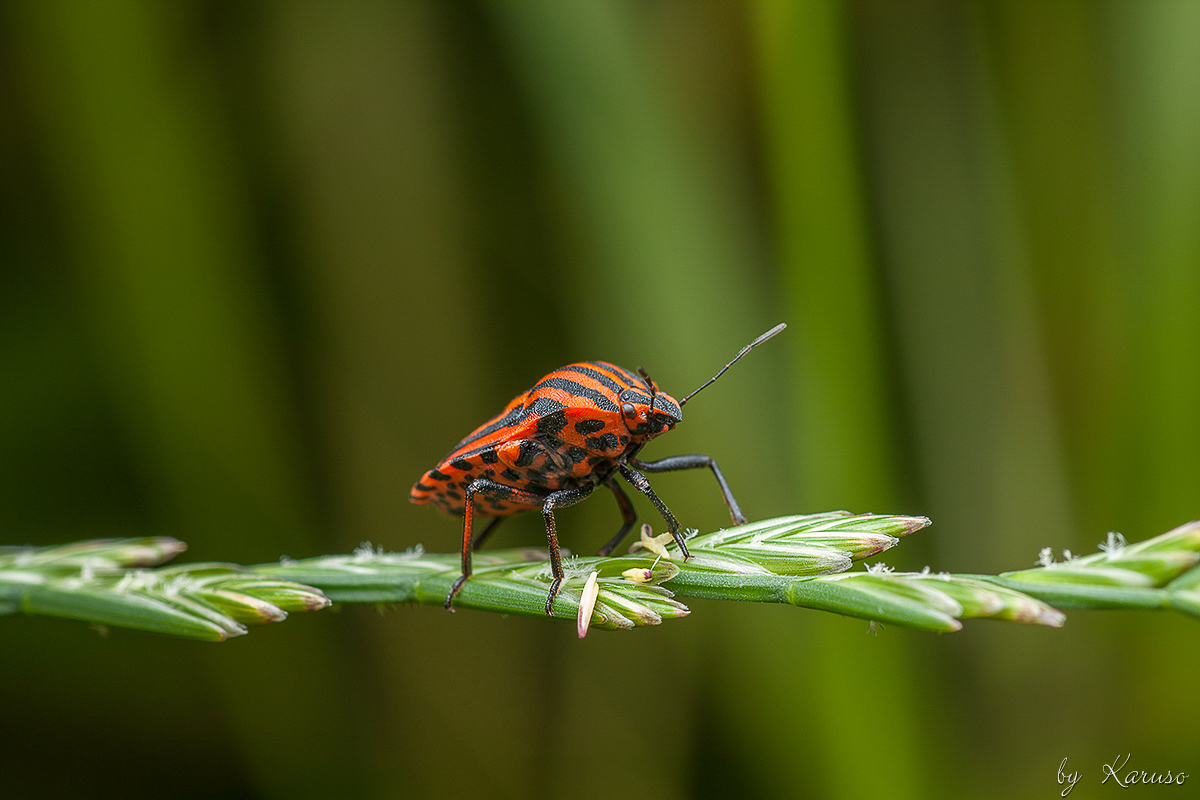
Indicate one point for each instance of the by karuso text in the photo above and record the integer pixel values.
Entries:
(1119, 773)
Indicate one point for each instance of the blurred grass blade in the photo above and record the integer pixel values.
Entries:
(873, 597)
(982, 599)
(799, 560)
(1157, 573)
(89, 581)
(1184, 591)
(920, 600)
(127, 610)
(1187, 601)
(96, 554)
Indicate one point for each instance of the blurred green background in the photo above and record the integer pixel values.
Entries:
(262, 264)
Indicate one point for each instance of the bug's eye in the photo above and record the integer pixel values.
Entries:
(628, 411)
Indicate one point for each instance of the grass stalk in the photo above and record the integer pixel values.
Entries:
(803, 561)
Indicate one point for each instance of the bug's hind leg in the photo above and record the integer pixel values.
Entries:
(488, 488)
(559, 499)
(696, 461)
(481, 538)
(628, 516)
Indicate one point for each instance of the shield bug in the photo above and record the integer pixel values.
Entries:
(578, 428)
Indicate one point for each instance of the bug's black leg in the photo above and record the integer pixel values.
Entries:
(642, 485)
(486, 487)
(481, 538)
(628, 516)
(696, 461)
(559, 499)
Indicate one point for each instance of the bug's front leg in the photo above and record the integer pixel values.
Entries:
(559, 499)
(491, 489)
(696, 461)
(642, 485)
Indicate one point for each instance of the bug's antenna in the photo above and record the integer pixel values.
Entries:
(745, 350)
(649, 385)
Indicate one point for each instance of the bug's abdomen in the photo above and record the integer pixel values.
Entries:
(474, 456)
(523, 464)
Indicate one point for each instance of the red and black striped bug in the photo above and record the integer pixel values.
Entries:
(576, 429)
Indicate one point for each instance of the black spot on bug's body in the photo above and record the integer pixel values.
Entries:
(624, 440)
(552, 423)
(489, 473)
(529, 450)
(423, 487)
(438, 475)
(489, 456)
(589, 426)
(462, 464)
(576, 454)
(454, 495)
(650, 428)
(511, 474)
(606, 442)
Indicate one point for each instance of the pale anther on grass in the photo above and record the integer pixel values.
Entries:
(655, 544)
(638, 575)
(587, 602)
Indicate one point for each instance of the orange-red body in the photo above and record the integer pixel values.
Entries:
(570, 429)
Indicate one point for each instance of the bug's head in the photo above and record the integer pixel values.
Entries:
(646, 415)
(648, 412)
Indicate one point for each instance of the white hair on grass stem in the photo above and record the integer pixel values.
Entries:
(1113, 544)
(573, 567)
(1045, 557)
(878, 569)
(366, 552)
